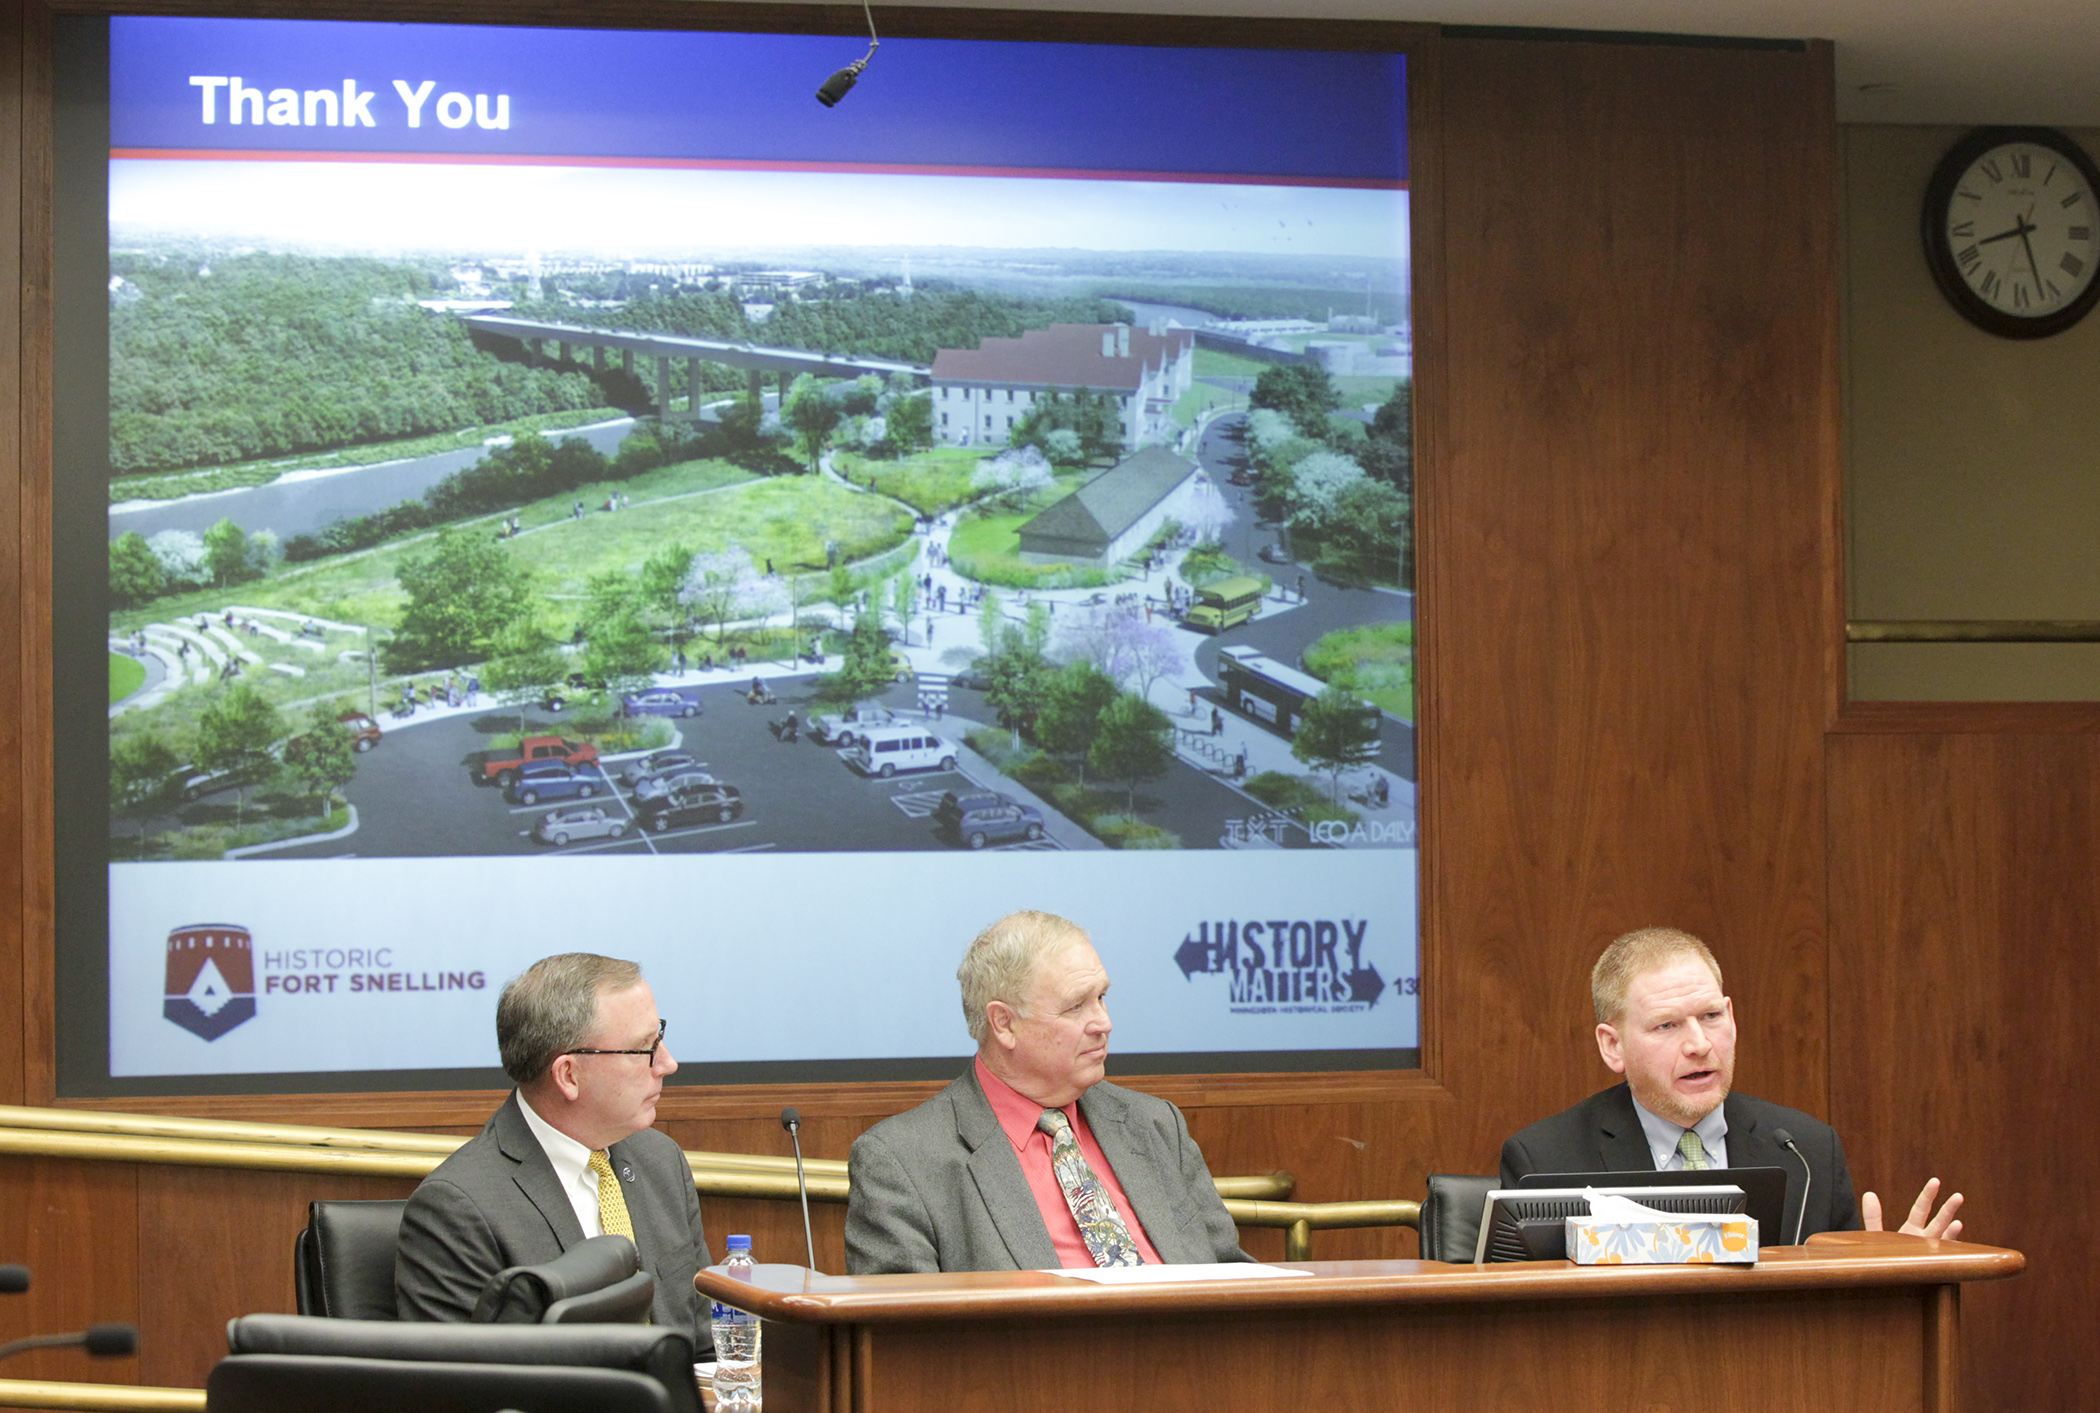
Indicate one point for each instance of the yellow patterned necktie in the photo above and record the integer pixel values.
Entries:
(1695, 1159)
(612, 1205)
(1100, 1224)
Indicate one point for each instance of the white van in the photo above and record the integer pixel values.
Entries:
(885, 750)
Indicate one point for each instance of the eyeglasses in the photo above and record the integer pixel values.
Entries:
(650, 1052)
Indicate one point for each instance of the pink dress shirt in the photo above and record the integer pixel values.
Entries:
(1017, 1115)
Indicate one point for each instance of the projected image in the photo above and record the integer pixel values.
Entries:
(568, 490)
(492, 510)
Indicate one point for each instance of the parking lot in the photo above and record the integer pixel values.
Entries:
(419, 793)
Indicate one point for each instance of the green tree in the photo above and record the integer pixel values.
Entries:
(526, 668)
(1018, 673)
(909, 423)
(135, 575)
(321, 759)
(139, 767)
(663, 575)
(226, 553)
(620, 649)
(461, 595)
(1303, 392)
(237, 734)
(867, 669)
(1134, 741)
(1073, 699)
(811, 414)
(1337, 731)
(740, 419)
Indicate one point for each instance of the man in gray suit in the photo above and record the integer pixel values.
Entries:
(1032, 1160)
(570, 1155)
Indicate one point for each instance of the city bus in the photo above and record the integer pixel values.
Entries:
(1269, 692)
(1225, 603)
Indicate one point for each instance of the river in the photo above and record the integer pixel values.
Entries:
(306, 501)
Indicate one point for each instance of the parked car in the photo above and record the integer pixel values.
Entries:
(661, 701)
(503, 766)
(363, 727)
(658, 762)
(651, 787)
(553, 780)
(847, 727)
(579, 686)
(981, 817)
(714, 803)
(1272, 554)
(1241, 477)
(558, 827)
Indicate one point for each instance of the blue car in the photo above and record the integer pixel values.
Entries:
(553, 780)
(660, 701)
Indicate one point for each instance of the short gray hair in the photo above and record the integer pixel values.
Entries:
(550, 1008)
(1004, 959)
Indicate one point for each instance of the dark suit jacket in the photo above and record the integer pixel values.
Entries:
(1603, 1134)
(496, 1203)
(939, 1188)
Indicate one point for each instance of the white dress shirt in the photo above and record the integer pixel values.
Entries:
(572, 1168)
(1663, 1136)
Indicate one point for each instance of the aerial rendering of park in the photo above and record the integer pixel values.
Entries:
(730, 547)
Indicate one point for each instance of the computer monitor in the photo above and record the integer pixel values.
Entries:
(1765, 1189)
(1531, 1224)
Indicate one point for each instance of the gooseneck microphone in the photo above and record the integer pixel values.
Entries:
(1786, 1141)
(792, 1122)
(103, 1341)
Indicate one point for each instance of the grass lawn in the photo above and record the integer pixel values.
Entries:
(1216, 363)
(987, 548)
(930, 481)
(1357, 389)
(1199, 397)
(126, 675)
(168, 485)
(1377, 661)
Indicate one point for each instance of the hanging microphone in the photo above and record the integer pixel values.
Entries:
(102, 1341)
(841, 83)
(13, 1280)
(792, 1122)
(1786, 1141)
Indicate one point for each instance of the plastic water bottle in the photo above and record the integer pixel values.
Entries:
(737, 1384)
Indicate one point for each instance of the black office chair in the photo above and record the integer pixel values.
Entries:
(319, 1383)
(343, 1262)
(1450, 1229)
(599, 1280)
(664, 1355)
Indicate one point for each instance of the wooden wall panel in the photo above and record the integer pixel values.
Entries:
(1624, 537)
(1963, 989)
(75, 1225)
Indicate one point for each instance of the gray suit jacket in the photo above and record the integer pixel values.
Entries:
(940, 1189)
(1603, 1134)
(496, 1203)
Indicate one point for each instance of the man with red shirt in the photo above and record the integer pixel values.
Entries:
(1032, 1160)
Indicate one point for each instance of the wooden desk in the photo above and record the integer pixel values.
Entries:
(1857, 1321)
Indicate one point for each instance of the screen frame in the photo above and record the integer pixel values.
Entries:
(351, 1100)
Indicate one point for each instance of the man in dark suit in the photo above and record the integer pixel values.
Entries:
(570, 1155)
(1664, 1022)
(1032, 1160)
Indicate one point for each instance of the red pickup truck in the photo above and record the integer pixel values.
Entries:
(502, 766)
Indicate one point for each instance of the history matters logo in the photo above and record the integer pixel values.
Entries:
(210, 985)
(1277, 965)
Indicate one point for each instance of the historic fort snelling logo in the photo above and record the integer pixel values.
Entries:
(210, 986)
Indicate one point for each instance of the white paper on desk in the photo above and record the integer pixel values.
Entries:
(1167, 1275)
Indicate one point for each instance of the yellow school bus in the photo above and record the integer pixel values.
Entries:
(1225, 603)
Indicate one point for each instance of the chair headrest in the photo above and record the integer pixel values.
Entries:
(521, 1294)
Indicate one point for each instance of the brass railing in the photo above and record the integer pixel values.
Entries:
(1972, 630)
(302, 1148)
(99, 1398)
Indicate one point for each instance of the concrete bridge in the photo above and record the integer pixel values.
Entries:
(565, 343)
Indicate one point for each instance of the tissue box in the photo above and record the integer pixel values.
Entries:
(1665, 1241)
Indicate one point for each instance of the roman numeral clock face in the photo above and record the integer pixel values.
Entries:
(2012, 232)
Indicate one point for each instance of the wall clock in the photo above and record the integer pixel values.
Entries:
(2012, 231)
